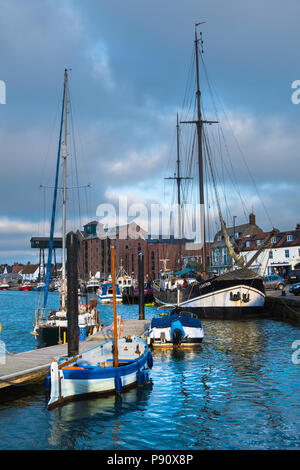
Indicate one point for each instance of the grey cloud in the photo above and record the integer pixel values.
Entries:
(129, 65)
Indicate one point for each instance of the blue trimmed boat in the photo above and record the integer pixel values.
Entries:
(110, 367)
(93, 372)
(105, 293)
(178, 329)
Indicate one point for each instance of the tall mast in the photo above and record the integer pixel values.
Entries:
(178, 179)
(199, 125)
(64, 157)
(48, 273)
(200, 155)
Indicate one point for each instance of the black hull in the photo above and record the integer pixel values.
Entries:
(53, 335)
(91, 290)
(212, 289)
(166, 297)
(129, 297)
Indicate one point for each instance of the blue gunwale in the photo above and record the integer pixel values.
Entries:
(96, 372)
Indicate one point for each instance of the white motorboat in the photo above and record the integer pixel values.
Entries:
(177, 329)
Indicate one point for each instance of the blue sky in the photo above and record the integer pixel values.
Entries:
(130, 63)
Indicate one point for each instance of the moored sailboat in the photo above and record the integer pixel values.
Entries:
(50, 326)
(109, 368)
(239, 292)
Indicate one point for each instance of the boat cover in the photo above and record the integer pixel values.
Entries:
(165, 322)
(184, 271)
(239, 274)
(105, 288)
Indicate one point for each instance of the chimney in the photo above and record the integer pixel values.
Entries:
(298, 227)
(251, 219)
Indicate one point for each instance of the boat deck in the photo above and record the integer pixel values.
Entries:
(31, 366)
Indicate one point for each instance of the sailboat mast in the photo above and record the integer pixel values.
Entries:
(199, 124)
(178, 179)
(178, 167)
(64, 157)
(48, 273)
(178, 193)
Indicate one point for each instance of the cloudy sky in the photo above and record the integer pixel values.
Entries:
(129, 64)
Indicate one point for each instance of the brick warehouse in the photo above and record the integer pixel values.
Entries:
(94, 253)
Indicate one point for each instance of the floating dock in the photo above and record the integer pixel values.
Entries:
(31, 366)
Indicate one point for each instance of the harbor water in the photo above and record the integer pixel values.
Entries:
(240, 390)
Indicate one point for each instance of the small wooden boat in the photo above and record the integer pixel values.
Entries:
(107, 368)
(94, 372)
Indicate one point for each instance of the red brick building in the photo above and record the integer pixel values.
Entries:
(95, 257)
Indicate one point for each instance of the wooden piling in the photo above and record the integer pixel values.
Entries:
(141, 286)
(72, 294)
(113, 275)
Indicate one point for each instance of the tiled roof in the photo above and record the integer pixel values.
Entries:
(281, 240)
(29, 269)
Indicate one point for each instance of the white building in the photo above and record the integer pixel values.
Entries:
(282, 255)
(30, 273)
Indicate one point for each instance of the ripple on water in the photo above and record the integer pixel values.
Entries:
(240, 390)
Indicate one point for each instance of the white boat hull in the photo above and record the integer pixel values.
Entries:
(109, 299)
(249, 300)
(194, 336)
(93, 372)
(71, 388)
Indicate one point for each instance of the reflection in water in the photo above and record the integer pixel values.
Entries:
(240, 390)
(68, 422)
(242, 341)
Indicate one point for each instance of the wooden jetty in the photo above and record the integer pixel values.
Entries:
(32, 366)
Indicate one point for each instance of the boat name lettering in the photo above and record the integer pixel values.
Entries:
(206, 284)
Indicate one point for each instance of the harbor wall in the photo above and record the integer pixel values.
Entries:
(283, 308)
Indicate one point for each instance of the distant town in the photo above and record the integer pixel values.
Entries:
(280, 256)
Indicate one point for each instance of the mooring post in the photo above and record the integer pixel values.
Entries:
(72, 294)
(141, 285)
